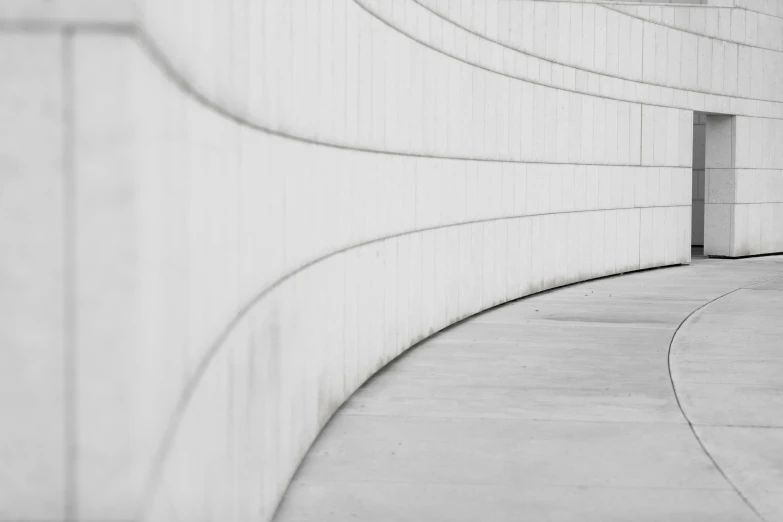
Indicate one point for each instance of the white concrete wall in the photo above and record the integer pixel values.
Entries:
(758, 184)
(33, 340)
(274, 276)
(771, 7)
(723, 24)
(744, 186)
(270, 200)
(38, 14)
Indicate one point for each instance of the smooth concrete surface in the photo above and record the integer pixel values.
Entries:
(727, 366)
(560, 407)
(33, 344)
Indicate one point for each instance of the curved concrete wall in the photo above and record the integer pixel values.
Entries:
(265, 202)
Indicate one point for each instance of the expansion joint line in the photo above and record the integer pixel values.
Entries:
(709, 455)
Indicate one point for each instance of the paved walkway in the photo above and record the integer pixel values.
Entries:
(560, 407)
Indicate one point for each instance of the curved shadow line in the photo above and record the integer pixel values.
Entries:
(169, 70)
(575, 67)
(689, 31)
(148, 43)
(189, 389)
(715, 464)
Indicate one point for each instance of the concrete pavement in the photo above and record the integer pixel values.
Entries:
(561, 407)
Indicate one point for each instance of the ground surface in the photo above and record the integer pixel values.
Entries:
(594, 402)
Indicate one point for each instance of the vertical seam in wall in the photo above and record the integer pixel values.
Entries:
(733, 207)
(639, 263)
(581, 54)
(641, 148)
(70, 489)
(595, 30)
(239, 144)
(641, 132)
(346, 294)
(530, 230)
(319, 64)
(680, 64)
(697, 61)
(641, 78)
(345, 73)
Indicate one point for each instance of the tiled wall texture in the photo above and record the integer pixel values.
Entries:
(246, 208)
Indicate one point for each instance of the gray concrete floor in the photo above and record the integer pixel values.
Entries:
(562, 407)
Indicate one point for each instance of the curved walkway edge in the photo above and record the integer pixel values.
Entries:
(560, 407)
(725, 362)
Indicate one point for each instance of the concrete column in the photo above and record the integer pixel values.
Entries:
(720, 183)
(697, 199)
